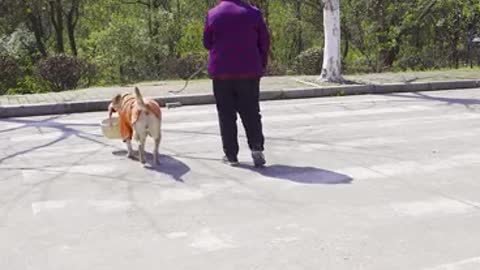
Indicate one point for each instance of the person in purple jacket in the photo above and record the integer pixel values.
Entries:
(238, 42)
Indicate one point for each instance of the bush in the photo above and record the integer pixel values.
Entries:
(63, 72)
(10, 72)
(309, 62)
(187, 65)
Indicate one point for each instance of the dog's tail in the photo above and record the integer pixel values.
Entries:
(139, 97)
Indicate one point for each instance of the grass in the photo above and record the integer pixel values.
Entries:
(405, 77)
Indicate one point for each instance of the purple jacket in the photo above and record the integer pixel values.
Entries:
(237, 39)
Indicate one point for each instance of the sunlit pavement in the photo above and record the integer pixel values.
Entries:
(360, 182)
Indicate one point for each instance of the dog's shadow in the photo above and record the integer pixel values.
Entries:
(168, 165)
(303, 175)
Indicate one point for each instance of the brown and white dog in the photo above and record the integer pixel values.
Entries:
(139, 118)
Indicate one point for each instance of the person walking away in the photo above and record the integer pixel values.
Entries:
(238, 41)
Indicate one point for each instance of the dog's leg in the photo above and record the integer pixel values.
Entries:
(129, 149)
(155, 151)
(156, 132)
(141, 133)
(141, 149)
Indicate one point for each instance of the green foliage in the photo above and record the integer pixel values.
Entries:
(276, 68)
(118, 49)
(88, 74)
(187, 65)
(128, 41)
(30, 85)
(10, 72)
(191, 40)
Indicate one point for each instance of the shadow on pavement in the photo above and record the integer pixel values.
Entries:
(65, 131)
(168, 165)
(467, 102)
(304, 175)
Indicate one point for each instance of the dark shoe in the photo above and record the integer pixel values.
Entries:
(230, 161)
(258, 159)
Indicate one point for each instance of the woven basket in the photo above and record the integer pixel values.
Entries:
(111, 131)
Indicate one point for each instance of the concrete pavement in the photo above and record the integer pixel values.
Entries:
(359, 182)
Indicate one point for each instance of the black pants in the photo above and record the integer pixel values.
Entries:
(242, 97)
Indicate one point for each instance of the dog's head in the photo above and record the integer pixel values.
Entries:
(116, 104)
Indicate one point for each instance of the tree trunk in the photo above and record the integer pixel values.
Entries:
(72, 19)
(331, 68)
(388, 58)
(36, 27)
(71, 38)
(56, 17)
(299, 35)
(346, 47)
(34, 24)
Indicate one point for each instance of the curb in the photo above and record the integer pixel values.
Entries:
(201, 99)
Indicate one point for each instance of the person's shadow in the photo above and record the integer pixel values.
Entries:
(168, 165)
(304, 175)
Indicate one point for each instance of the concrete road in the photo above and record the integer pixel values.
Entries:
(364, 182)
